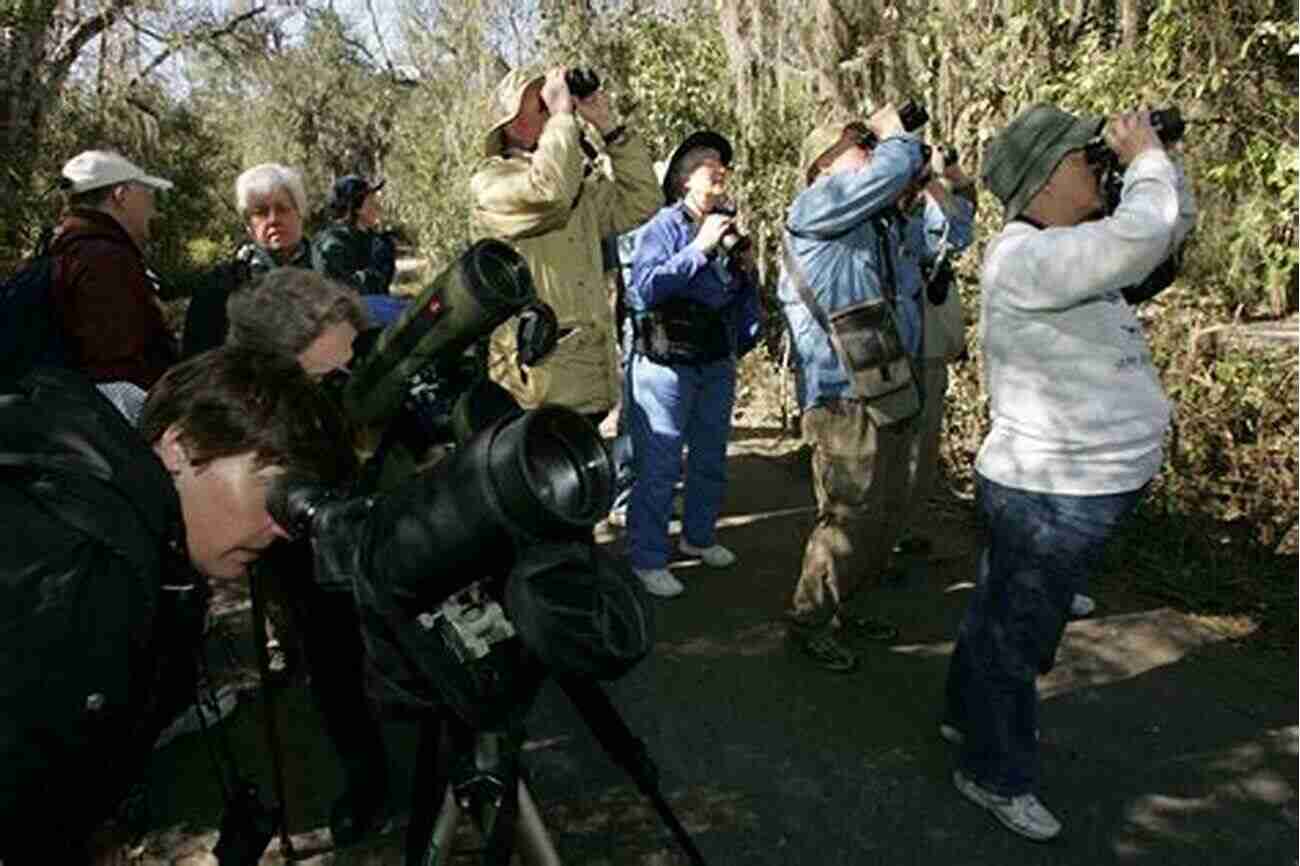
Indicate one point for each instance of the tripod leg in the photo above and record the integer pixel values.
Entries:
(257, 593)
(444, 832)
(626, 750)
(532, 841)
(430, 783)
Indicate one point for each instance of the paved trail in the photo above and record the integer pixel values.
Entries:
(1164, 741)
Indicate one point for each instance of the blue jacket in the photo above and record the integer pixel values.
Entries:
(834, 239)
(666, 266)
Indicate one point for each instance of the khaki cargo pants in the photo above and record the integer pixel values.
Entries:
(861, 481)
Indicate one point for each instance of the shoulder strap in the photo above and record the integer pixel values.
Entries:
(801, 285)
(888, 281)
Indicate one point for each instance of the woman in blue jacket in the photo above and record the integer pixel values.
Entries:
(694, 310)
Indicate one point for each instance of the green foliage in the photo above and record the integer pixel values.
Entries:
(166, 138)
(314, 97)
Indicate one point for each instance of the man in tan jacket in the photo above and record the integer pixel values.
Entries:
(535, 191)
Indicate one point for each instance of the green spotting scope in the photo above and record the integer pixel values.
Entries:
(484, 287)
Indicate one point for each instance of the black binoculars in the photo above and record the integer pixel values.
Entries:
(1167, 122)
(582, 81)
(911, 114)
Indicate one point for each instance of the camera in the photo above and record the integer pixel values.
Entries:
(1169, 126)
(582, 81)
(913, 115)
(733, 243)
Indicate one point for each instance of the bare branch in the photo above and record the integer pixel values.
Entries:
(193, 39)
(379, 36)
(83, 32)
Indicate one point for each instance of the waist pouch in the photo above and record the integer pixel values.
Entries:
(866, 340)
(681, 332)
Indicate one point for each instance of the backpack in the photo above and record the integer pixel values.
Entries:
(30, 334)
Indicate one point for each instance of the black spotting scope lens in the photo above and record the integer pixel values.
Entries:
(551, 470)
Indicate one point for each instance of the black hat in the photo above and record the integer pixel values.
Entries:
(350, 191)
(703, 138)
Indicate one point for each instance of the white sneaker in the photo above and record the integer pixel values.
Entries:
(660, 582)
(1022, 814)
(952, 733)
(1082, 605)
(714, 556)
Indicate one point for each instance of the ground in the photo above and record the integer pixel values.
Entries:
(1167, 738)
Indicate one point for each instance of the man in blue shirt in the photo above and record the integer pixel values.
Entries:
(848, 241)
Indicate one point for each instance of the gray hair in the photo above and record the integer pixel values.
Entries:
(686, 165)
(263, 180)
(286, 309)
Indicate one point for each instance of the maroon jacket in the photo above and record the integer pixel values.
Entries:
(112, 319)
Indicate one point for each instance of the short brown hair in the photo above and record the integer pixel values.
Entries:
(234, 400)
(286, 309)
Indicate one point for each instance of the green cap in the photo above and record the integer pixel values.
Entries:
(1024, 154)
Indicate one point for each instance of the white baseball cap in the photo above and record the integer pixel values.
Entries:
(92, 169)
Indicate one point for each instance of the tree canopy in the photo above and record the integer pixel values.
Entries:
(197, 90)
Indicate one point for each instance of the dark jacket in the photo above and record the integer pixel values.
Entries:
(106, 302)
(206, 322)
(362, 259)
(94, 653)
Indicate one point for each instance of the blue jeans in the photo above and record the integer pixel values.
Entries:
(673, 407)
(1041, 549)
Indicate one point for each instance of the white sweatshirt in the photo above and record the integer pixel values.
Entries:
(1077, 406)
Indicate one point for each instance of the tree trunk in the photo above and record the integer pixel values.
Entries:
(736, 36)
(40, 42)
(1130, 14)
(832, 45)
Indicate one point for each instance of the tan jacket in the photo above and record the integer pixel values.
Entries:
(528, 200)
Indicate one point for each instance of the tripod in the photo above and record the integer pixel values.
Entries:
(485, 779)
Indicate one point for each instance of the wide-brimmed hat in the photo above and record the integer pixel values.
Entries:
(504, 104)
(819, 142)
(350, 191)
(704, 138)
(1024, 154)
(93, 169)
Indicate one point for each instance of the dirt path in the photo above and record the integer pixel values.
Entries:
(1164, 741)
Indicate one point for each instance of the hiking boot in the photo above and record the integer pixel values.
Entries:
(825, 651)
(660, 582)
(1022, 814)
(714, 556)
(867, 627)
(1082, 605)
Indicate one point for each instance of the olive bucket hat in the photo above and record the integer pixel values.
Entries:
(1024, 154)
(820, 141)
(504, 105)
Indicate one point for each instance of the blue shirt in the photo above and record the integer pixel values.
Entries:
(665, 265)
(837, 244)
